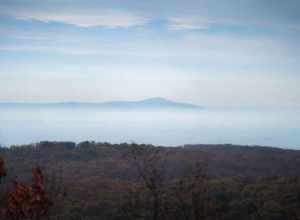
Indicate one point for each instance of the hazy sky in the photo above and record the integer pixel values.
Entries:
(207, 52)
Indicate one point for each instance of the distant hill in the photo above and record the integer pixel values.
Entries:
(156, 103)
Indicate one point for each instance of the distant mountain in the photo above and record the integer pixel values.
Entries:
(148, 103)
(153, 103)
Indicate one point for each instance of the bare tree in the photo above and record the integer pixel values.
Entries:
(191, 193)
(150, 165)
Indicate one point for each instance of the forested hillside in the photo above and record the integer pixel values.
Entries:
(128, 181)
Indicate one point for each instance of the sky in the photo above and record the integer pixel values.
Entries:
(206, 52)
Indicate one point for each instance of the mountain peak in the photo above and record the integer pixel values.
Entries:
(165, 103)
(156, 99)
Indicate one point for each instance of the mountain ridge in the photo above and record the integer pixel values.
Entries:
(154, 102)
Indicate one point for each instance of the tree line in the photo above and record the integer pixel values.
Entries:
(144, 182)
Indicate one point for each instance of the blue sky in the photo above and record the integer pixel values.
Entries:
(208, 52)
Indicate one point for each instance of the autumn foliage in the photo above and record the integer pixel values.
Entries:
(93, 181)
(27, 201)
(2, 169)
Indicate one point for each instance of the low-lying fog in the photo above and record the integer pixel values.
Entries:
(272, 127)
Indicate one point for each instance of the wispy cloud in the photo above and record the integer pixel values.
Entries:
(194, 47)
(110, 19)
(48, 49)
(180, 23)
